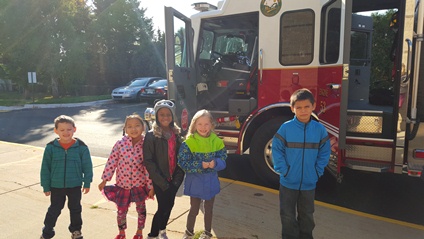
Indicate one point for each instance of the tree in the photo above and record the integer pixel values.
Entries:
(382, 42)
(39, 35)
(120, 34)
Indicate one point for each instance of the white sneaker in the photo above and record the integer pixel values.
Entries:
(162, 234)
(205, 235)
(188, 235)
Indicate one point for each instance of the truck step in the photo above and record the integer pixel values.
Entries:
(368, 166)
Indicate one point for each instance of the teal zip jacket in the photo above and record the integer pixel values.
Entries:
(300, 153)
(66, 168)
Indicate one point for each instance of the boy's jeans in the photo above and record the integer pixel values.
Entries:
(303, 201)
(57, 202)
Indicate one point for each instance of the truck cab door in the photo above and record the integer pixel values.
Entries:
(180, 65)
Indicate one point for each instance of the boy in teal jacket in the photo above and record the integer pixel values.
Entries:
(300, 151)
(66, 167)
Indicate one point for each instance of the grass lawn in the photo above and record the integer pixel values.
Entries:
(17, 99)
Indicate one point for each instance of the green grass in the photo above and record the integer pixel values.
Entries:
(17, 99)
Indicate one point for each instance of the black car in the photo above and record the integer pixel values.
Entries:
(155, 91)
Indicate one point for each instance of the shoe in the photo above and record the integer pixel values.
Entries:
(148, 237)
(188, 235)
(205, 235)
(162, 234)
(77, 235)
(119, 236)
(137, 237)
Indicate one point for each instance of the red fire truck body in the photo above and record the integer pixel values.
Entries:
(243, 59)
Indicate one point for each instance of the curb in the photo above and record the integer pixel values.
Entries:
(46, 106)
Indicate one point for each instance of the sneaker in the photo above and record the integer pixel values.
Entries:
(188, 235)
(162, 234)
(76, 235)
(119, 236)
(205, 235)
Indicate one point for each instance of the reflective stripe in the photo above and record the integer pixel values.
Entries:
(302, 145)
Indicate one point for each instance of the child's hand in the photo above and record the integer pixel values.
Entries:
(151, 193)
(85, 190)
(205, 165)
(210, 164)
(47, 193)
(102, 185)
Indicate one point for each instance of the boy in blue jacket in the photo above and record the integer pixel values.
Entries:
(300, 151)
(66, 171)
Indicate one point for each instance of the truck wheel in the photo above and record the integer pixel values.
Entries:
(260, 151)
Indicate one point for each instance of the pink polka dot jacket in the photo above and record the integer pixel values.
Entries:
(127, 161)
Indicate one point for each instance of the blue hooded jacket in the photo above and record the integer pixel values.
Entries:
(300, 152)
(199, 182)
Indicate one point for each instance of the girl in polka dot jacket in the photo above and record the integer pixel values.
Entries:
(132, 179)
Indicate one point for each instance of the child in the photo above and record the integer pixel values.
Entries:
(160, 157)
(201, 156)
(66, 167)
(300, 151)
(132, 179)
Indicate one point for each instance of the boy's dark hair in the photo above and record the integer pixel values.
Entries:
(302, 94)
(63, 119)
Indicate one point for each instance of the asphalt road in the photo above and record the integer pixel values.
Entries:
(393, 196)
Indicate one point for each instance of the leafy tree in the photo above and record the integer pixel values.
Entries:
(39, 35)
(382, 42)
(120, 32)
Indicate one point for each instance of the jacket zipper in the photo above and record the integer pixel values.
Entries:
(64, 175)
(303, 156)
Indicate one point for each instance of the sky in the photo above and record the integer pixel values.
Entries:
(155, 9)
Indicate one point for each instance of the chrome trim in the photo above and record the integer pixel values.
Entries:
(219, 112)
(228, 131)
(371, 139)
(236, 70)
(261, 65)
(365, 111)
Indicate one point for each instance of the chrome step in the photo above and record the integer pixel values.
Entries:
(368, 166)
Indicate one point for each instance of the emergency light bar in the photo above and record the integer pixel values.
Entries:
(203, 6)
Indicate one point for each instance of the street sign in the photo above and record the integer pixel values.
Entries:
(32, 77)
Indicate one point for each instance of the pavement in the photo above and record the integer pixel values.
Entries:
(241, 210)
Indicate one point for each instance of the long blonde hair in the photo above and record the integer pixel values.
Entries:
(200, 113)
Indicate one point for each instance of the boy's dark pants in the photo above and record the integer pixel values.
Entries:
(303, 201)
(57, 202)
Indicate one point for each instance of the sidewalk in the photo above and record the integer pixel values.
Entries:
(242, 211)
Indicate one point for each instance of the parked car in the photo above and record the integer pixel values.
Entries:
(155, 91)
(131, 91)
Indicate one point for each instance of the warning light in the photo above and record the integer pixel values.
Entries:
(418, 153)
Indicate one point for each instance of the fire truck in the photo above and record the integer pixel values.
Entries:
(242, 60)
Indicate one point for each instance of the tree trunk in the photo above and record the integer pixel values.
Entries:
(55, 87)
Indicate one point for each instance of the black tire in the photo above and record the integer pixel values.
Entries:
(260, 151)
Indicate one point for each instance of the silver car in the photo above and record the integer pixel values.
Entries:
(131, 91)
